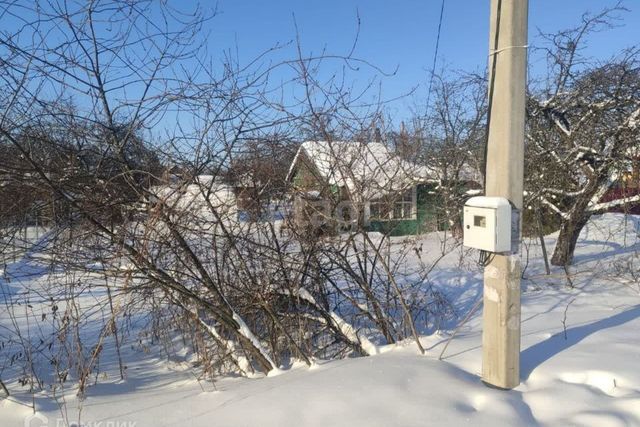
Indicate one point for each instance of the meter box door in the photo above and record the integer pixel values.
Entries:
(487, 224)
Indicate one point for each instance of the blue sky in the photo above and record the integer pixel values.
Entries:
(401, 34)
(394, 35)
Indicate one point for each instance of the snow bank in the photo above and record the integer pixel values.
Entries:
(579, 363)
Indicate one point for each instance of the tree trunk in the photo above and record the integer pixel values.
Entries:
(569, 233)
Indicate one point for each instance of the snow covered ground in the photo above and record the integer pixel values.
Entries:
(580, 364)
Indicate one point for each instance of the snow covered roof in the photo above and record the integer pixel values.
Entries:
(367, 169)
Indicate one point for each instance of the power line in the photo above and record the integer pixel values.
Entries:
(435, 55)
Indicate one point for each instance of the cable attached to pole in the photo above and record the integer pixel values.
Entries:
(485, 258)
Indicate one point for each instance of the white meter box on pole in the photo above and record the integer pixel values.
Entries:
(487, 224)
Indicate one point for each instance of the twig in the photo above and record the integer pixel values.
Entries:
(4, 389)
(564, 319)
(568, 276)
(465, 320)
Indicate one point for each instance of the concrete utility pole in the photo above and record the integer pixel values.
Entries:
(504, 178)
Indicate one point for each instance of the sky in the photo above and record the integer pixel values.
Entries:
(400, 35)
(397, 37)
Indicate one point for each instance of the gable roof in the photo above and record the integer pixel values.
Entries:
(369, 170)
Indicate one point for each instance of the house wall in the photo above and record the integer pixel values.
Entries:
(306, 178)
(314, 210)
(426, 216)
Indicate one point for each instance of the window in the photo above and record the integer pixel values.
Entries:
(396, 208)
(403, 208)
(379, 210)
(479, 221)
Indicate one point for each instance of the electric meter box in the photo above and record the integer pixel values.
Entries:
(487, 224)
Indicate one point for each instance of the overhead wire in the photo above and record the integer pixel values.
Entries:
(435, 55)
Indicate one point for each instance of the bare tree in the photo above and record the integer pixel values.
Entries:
(452, 136)
(582, 130)
(128, 133)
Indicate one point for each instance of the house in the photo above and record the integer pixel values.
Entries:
(630, 177)
(627, 186)
(345, 184)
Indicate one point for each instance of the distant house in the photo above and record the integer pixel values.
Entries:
(627, 186)
(630, 177)
(342, 184)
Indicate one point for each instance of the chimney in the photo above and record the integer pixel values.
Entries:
(378, 136)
